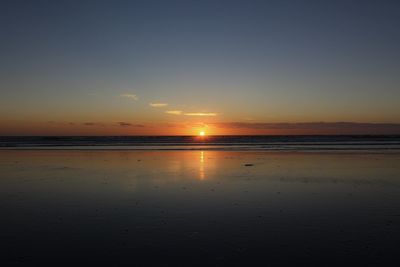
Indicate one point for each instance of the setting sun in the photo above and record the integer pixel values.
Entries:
(202, 133)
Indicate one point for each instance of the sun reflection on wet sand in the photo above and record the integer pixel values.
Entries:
(156, 201)
(201, 166)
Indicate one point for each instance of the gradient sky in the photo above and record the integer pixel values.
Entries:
(177, 67)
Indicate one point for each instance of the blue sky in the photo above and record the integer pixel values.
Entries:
(264, 61)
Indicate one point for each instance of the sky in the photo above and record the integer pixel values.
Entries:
(180, 67)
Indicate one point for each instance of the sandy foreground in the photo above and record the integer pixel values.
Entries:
(209, 208)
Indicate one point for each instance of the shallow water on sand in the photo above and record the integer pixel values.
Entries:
(199, 208)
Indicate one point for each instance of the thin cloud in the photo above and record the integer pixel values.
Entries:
(174, 112)
(196, 125)
(127, 124)
(158, 105)
(130, 96)
(93, 124)
(317, 127)
(306, 125)
(210, 114)
(60, 123)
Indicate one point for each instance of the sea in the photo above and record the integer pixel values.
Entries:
(200, 201)
(377, 143)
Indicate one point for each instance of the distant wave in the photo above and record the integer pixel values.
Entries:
(273, 143)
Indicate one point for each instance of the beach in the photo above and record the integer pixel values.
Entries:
(200, 133)
(218, 208)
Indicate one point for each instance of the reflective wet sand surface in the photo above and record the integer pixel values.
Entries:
(215, 208)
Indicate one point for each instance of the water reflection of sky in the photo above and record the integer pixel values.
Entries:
(195, 199)
(201, 166)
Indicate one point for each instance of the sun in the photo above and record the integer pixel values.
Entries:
(202, 133)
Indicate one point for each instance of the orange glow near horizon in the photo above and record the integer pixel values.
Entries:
(201, 130)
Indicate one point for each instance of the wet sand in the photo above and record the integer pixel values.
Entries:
(209, 208)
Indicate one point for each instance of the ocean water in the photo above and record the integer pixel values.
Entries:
(191, 201)
(232, 143)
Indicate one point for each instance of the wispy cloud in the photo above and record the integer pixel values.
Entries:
(210, 114)
(317, 127)
(174, 112)
(130, 96)
(158, 105)
(93, 124)
(128, 124)
(196, 125)
(305, 125)
(180, 112)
